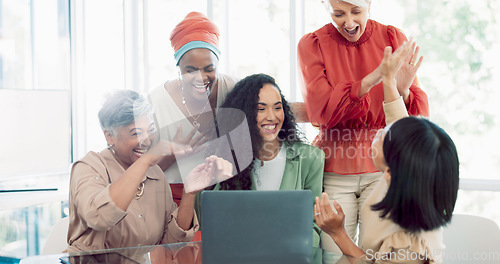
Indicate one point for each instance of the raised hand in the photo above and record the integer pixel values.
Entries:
(196, 143)
(164, 148)
(392, 63)
(214, 170)
(408, 70)
(329, 221)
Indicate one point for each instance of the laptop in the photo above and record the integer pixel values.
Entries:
(257, 226)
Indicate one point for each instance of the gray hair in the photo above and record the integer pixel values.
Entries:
(360, 3)
(121, 108)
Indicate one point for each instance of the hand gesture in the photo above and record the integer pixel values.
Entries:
(328, 220)
(406, 74)
(392, 62)
(196, 143)
(370, 80)
(214, 170)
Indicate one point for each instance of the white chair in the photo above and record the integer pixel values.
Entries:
(57, 240)
(471, 239)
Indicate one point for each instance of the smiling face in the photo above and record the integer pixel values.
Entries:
(377, 149)
(270, 113)
(132, 141)
(350, 20)
(198, 68)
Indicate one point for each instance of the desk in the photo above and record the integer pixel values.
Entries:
(182, 253)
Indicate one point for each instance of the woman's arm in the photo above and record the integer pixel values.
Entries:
(186, 210)
(124, 189)
(89, 192)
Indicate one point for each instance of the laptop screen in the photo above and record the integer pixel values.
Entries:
(257, 226)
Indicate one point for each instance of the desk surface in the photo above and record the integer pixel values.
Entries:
(188, 253)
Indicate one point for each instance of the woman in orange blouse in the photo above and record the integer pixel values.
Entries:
(119, 197)
(339, 65)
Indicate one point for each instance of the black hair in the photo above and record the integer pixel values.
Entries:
(424, 167)
(245, 97)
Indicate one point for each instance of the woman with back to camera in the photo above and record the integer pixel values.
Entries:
(415, 198)
(119, 196)
(184, 106)
(280, 160)
(340, 70)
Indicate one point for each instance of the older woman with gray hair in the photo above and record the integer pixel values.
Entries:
(119, 197)
(343, 94)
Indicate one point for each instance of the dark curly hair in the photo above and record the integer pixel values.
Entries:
(245, 97)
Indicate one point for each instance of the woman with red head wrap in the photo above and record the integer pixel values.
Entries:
(184, 106)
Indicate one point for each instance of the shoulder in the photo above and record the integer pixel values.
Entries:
(395, 34)
(158, 93)
(91, 164)
(158, 89)
(315, 36)
(392, 30)
(389, 29)
(92, 159)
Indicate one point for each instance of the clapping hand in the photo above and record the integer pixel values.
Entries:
(329, 221)
(409, 67)
(164, 148)
(214, 170)
(393, 63)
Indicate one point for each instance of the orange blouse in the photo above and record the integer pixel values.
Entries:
(332, 69)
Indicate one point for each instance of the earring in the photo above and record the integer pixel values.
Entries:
(110, 147)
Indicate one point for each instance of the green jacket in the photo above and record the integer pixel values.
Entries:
(303, 171)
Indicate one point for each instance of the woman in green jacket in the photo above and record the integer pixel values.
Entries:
(280, 160)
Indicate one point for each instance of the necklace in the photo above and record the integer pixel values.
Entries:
(195, 121)
(140, 191)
